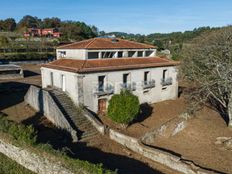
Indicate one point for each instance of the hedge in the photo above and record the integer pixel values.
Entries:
(123, 107)
(26, 56)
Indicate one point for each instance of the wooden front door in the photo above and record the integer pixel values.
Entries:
(102, 106)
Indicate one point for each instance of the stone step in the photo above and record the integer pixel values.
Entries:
(89, 134)
(88, 138)
(80, 120)
(83, 125)
(88, 130)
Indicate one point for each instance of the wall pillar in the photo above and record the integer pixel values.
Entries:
(144, 53)
(80, 90)
(136, 54)
(100, 55)
(125, 53)
(116, 54)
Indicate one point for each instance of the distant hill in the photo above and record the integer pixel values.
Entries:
(173, 41)
(174, 37)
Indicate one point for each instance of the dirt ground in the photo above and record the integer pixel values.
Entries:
(195, 143)
(99, 150)
(159, 113)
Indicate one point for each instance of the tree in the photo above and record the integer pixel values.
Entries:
(29, 22)
(10, 24)
(207, 63)
(72, 30)
(123, 107)
(53, 22)
(94, 30)
(4, 42)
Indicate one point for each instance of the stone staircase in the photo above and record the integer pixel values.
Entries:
(85, 130)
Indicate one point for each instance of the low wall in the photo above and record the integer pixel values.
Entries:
(11, 76)
(32, 161)
(43, 102)
(96, 123)
(165, 158)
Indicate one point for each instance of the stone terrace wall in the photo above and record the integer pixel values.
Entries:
(43, 102)
(31, 161)
(165, 158)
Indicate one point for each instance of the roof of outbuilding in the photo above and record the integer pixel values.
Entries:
(113, 64)
(6, 67)
(106, 43)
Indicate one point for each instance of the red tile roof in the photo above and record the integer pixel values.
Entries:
(113, 64)
(106, 43)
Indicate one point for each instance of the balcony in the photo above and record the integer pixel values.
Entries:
(148, 84)
(166, 81)
(128, 86)
(104, 90)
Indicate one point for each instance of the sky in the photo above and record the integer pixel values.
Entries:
(131, 16)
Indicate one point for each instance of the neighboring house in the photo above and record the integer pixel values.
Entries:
(92, 71)
(36, 32)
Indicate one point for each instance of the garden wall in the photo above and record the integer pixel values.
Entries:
(165, 158)
(32, 161)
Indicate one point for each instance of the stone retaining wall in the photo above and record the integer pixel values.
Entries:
(43, 102)
(96, 123)
(32, 161)
(165, 158)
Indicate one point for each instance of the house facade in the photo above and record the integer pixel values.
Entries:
(37, 32)
(92, 71)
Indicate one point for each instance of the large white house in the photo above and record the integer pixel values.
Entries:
(92, 71)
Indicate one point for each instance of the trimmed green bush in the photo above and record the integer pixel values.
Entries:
(123, 107)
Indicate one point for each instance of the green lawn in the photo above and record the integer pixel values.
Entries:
(8, 166)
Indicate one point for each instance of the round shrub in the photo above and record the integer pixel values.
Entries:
(123, 107)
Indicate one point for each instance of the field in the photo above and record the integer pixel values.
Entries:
(8, 166)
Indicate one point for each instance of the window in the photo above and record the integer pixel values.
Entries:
(146, 77)
(101, 81)
(164, 74)
(92, 55)
(120, 53)
(62, 53)
(108, 54)
(140, 53)
(148, 53)
(125, 78)
(131, 53)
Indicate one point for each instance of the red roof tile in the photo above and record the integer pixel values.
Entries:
(113, 64)
(106, 43)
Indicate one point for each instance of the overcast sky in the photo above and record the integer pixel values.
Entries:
(133, 16)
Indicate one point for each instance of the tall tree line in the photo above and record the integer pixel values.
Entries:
(71, 30)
